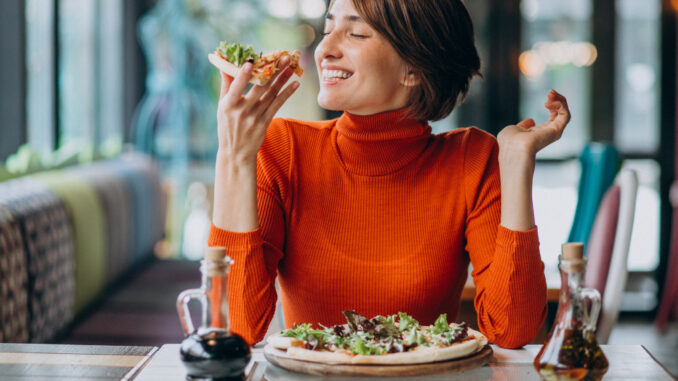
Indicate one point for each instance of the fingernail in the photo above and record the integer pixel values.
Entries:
(295, 85)
(247, 67)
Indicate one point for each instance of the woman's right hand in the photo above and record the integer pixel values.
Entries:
(243, 118)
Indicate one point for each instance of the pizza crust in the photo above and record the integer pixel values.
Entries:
(232, 70)
(418, 355)
(280, 342)
(257, 77)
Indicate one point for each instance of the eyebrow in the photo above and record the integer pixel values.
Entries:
(351, 18)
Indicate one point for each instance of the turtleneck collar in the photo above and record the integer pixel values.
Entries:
(379, 144)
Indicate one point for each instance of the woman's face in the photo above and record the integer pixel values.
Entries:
(360, 72)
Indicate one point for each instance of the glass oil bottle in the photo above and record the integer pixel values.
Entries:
(571, 351)
(212, 352)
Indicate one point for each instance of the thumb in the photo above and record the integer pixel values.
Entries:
(526, 123)
(226, 81)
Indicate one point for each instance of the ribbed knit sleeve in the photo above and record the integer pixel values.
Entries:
(256, 254)
(507, 268)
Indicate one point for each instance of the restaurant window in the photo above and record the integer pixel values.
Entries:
(109, 77)
(40, 74)
(90, 82)
(76, 94)
(637, 119)
(637, 93)
(557, 53)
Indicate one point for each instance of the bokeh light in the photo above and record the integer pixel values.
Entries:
(283, 9)
(531, 64)
(312, 9)
(534, 62)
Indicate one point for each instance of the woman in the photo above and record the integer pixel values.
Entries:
(371, 211)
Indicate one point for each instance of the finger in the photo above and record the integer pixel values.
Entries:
(226, 81)
(557, 106)
(551, 99)
(284, 61)
(563, 100)
(526, 123)
(280, 100)
(559, 122)
(238, 86)
(273, 91)
(257, 91)
(554, 98)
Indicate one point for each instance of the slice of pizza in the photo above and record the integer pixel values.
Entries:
(395, 339)
(230, 57)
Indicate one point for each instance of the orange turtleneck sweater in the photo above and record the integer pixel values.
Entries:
(376, 214)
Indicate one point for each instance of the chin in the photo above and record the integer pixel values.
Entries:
(329, 104)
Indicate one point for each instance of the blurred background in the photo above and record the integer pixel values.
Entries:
(85, 81)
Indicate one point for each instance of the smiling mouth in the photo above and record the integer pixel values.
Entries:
(335, 75)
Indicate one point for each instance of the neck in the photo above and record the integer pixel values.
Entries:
(381, 143)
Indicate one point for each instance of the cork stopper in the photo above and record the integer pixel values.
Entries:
(216, 253)
(573, 250)
(216, 263)
(572, 259)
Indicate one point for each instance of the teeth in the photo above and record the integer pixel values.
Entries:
(335, 74)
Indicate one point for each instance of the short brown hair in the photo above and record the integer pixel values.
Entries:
(435, 38)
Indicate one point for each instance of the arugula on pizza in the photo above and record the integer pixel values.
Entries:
(394, 339)
(230, 57)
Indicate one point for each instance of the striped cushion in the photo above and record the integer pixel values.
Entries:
(13, 282)
(48, 241)
(148, 215)
(87, 219)
(152, 175)
(116, 201)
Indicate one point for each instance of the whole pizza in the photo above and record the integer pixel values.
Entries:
(394, 339)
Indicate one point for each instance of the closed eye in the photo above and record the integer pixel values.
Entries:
(358, 35)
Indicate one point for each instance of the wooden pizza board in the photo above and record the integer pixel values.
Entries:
(281, 359)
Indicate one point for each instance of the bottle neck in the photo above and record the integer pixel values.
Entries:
(571, 274)
(215, 287)
(570, 282)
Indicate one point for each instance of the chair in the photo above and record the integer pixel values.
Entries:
(669, 304)
(601, 240)
(599, 166)
(608, 249)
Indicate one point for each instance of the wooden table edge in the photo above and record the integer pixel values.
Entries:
(658, 362)
(134, 372)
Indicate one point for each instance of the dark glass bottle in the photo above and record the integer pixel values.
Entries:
(212, 352)
(571, 351)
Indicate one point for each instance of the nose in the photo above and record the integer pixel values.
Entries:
(329, 47)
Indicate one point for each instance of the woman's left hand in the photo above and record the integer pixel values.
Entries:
(528, 138)
(518, 147)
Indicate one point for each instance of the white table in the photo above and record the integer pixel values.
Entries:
(627, 362)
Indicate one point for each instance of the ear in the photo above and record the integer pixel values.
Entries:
(410, 78)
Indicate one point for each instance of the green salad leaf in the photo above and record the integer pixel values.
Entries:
(386, 327)
(352, 319)
(379, 335)
(237, 54)
(299, 332)
(406, 322)
(363, 347)
(440, 326)
(390, 320)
